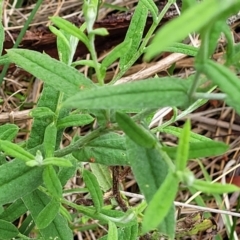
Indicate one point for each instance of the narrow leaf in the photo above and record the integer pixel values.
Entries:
(16, 151)
(60, 162)
(47, 215)
(52, 182)
(150, 170)
(135, 32)
(40, 112)
(200, 149)
(176, 131)
(214, 188)
(208, 11)
(182, 48)
(148, 167)
(112, 231)
(116, 53)
(57, 74)
(151, 6)
(2, 33)
(151, 93)
(160, 203)
(94, 189)
(75, 120)
(71, 29)
(108, 149)
(137, 133)
(103, 176)
(8, 131)
(7, 230)
(14, 211)
(20, 182)
(49, 141)
(227, 81)
(58, 228)
(183, 148)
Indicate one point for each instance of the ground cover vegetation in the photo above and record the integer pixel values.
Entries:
(108, 133)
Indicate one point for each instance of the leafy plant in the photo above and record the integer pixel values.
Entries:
(34, 180)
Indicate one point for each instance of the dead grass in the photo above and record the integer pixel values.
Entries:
(19, 94)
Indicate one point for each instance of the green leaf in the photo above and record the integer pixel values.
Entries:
(4, 59)
(150, 170)
(66, 79)
(40, 112)
(151, 6)
(7, 230)
(94, 189)
(2, 35)
(49, 141)
(8, 131)
(52, 182)
(66, 45)
(103, 176)
(182, 48)
(135, 32)
(120, 218)
(160, 203)
(89, 63)
(39, 124)
(200, 149)
(137, 133)
(112, 231)
(108, 149)
(148, 166)
(14, 211)
(20, 182)
(100, 31)
(75, 120)
(58, 228)
(129, 233)
(60, 162)
(208, 10)
(214, 188)
(227, 81)
(155, 93)
(183, 147)
(16, 151)
(125, 233)
(65, 173)
(71, 29)
(116, 53)
(47, 215)
(176, 131)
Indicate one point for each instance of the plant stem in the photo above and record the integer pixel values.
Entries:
(80, 142)
(94, 57)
